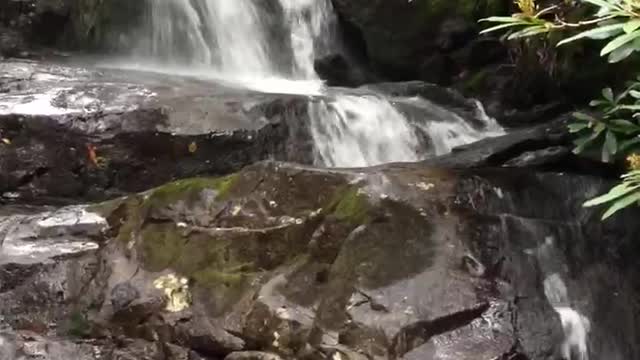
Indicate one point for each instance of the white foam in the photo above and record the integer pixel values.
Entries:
(38, 104)
(352, 131)
(576, 326)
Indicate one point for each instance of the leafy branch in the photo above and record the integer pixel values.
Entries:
(616, 127)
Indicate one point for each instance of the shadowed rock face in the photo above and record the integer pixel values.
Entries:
(402, 261)
(401, 36)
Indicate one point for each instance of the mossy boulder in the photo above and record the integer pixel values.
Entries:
(393, 262)
(287, 256)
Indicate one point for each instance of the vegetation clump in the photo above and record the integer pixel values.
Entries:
(612, 126)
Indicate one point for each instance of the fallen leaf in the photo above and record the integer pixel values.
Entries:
(6, 141)
(91, 153)
(193, 147)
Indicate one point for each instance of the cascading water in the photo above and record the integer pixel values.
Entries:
(221, 35)
(175, 34)
(311, 24)
(231, 38)
(239, 37)
(355, 131)
(576, 326)
(242, 42)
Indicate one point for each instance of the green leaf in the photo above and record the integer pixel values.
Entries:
(584, 117)
(616, 192)
(607, 93)
(584, 141)
(581, 144)
(577, 127)
(596, 103)
(611, 143)
(498, 27)
(502, 19)
(630, 107)
(597, 33)
(530, 31)
(612, 110)
(621, 53)
(623, 126)
(631, 26)
(635, 94)
(626, 145)
(603, 4)
(621, 204)
(599, 128)
(618, 42)
(632, 177)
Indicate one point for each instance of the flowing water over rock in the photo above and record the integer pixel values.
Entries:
(312, 24)
(241, 42)
(238, 40)
(361, 131)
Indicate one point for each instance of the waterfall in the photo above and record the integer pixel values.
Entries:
(175, 34)
(311, 23)
(575, 325)
(224, 35)
(353, 131)
(271, 46)
(231, 37)
(239, 37)
(447, 130)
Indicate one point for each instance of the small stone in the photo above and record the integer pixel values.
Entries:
(122, 295)
(424, 186)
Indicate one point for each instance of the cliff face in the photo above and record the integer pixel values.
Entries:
(400, 36)
(30, 25)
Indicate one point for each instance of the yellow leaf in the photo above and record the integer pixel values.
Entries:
(6, 141)
(193, 147)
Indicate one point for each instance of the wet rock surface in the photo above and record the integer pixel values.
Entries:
(283, 261)
(72, 132)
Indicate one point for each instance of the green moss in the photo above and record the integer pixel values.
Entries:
(78, 326)
(161, 245)
(129, 217)
(211, 276)
(106, 208)
(189, 188)
(215, 264)
(351, 206)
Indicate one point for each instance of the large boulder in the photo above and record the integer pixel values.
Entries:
(71, 132)
(402, 261)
